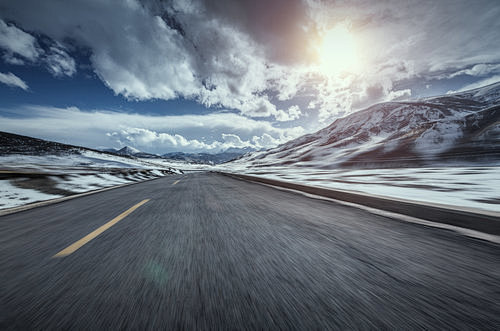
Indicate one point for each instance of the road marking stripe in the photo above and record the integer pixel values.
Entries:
(176, 182)
(72, 248)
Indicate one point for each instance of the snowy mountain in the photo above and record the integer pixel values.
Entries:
(460, 127)
(23, 151)
(205, 158)
(241, 151)
(127, 150)
(131, 151)
(194, 158)
(35, 170)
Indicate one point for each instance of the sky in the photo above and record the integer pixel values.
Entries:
(195, 75)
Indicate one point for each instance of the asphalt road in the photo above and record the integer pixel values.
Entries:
(213, 252)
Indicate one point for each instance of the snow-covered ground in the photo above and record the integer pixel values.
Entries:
(84, 183)
(20, 188)
(86, 159)
(461, 128)
(464, 186)
(444, 149)
(474, 187)
(12, 196)
(31, 178)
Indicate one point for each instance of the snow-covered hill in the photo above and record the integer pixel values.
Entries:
(34, 170)
(131, 151)
(127, 150)
(18, 151)
(462, 127)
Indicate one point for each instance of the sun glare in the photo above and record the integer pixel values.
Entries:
(338, 52)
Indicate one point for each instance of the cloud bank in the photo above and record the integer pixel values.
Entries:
(156, 134)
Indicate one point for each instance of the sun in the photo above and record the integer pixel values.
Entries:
(338, 52)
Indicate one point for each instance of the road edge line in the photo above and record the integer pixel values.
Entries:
(399, 217)
(475, 221)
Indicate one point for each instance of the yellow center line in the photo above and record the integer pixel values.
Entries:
(176, 182)
(72, 248)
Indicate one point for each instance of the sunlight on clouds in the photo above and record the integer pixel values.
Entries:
(338, 52)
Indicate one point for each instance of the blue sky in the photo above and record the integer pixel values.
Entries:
(198, 75)
(84, 90)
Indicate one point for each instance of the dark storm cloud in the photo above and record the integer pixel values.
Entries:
(282, 27)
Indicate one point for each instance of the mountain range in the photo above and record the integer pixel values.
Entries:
(206, 158)
(454, 128)
(11, 143)
(198, 158)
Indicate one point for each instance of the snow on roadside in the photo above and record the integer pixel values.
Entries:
(84, 183)
(71, 173)
(473, 187)
(174, 164)
(20, 188)
(86, 159)
(12, 196)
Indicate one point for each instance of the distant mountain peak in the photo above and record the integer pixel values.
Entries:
(208, 158)
(127, 150)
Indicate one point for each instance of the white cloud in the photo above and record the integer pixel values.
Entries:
(157, 134)
(12, 59)
(478, 84)
(59, 62)
(20, 46)
(235, 141)
(204, 60)
(145, 138)
(479, 70)
(266, 141)
(16, 41)
(291, 114)
(12, 80)
(399, 95)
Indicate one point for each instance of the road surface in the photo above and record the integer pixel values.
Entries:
(211, 252)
